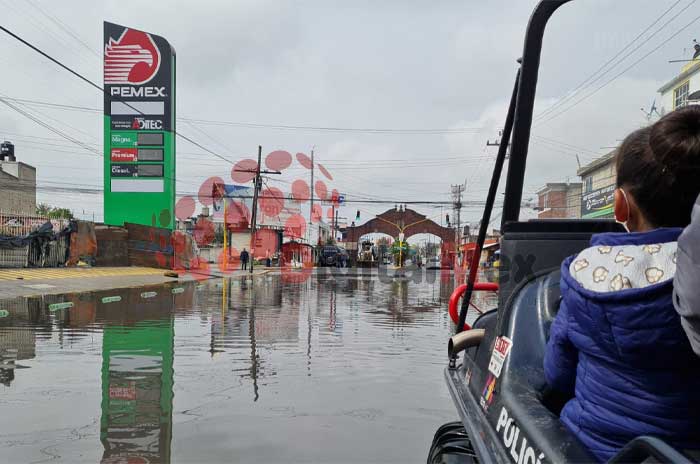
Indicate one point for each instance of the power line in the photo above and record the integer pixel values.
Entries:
(49, 127)
(91, 83)
(674, 35)
(49, 57)
(597, 75)
(460, 130)
(64, 27)
(268, 126)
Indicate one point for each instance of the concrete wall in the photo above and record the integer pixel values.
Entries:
(17, 188)
(666, 103)
(573, 201)
(603, 176)
(561, 200)
(555, 204)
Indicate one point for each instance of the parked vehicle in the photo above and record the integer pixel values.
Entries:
(332, 255)
(434, 262)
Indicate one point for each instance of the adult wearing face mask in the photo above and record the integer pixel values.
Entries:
(686, 285)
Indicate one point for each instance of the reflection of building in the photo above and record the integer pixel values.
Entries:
(17, 342)
(597, 196)
(17, 183)
(682, 90)
(559, 200)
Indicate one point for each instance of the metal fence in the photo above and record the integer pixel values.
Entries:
(22, 224)
(36, 254)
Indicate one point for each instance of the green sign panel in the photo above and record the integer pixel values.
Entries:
(139, 128)
(123, 139)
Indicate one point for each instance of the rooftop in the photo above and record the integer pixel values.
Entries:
(558, 186)
(687, 71)
(596, 164)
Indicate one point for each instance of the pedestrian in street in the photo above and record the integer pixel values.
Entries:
(244, 259)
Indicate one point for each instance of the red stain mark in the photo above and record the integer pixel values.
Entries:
(204, 232)
(226, 261)
(237, 214)
(304, 160)
(335, 197)
(161, 259)
(179, 242)
(205, 191)
(203, 269)
(243, 171)
(292, 275)
(278, 160)
(271, 201)
(316, 213)
(321, 189)
(300, 191)
(325, 171)
(295, 227)
(184, 208)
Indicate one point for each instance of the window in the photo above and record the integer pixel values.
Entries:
(588, 184)
(545, 201)
(680, 95)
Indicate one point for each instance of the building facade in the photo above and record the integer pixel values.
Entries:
(18, 187)
(560, 200)
(598, 187)
(682, 90)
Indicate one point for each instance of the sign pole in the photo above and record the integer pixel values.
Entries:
(226, 256)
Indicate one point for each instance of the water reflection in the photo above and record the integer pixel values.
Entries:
(137, 382)
(322, 355)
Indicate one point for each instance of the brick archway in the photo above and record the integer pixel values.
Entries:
(393, 221)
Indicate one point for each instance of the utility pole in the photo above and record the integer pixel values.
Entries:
(257, 181)
(257, 185)
(334, 215)
(311, 204)
(497, 143)
(457, 199)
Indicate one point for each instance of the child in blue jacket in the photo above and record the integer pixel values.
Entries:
(617, 345)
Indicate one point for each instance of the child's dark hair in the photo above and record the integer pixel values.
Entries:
(659, 166)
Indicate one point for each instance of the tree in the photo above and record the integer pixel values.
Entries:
(53, 212)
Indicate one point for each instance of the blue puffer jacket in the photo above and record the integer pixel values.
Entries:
(617, 346)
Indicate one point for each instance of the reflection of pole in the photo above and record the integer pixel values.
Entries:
(226, 256)
(256, 186)
(253, 351)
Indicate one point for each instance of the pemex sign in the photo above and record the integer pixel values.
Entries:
(139, 128)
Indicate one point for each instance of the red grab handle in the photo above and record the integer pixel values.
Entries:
(459, 292)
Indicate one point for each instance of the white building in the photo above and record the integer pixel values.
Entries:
(683, 89)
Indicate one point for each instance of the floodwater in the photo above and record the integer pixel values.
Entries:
(345, 369)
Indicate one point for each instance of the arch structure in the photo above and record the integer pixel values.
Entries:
(394, 221)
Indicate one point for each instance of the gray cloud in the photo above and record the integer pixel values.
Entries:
(341, 64)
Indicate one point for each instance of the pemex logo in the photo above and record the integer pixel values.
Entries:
(133, 59)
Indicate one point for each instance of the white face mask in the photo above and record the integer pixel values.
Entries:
(624, 223)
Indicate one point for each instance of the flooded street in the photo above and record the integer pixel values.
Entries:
(345, 369)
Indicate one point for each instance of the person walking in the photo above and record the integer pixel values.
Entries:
(244, 259)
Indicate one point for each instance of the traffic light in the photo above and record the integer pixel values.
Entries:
(357, 216)
(447, 219)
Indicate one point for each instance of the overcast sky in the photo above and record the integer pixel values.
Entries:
(358, 65)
